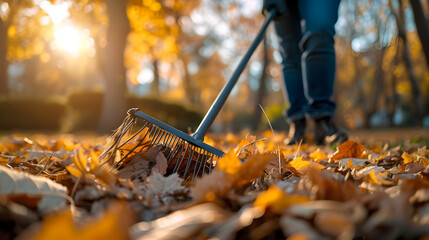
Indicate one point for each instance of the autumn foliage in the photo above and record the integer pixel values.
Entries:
(259, 188)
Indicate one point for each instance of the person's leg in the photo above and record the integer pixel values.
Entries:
(289, 34)
(318, 19)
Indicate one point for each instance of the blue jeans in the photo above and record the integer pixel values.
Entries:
(306, 36)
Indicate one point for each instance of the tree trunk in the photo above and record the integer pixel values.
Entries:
(262, 91)
(379, 83)
(418, 104)
(393, 100)
(187, 81)
(422, 27)
(155, 86)
(4, 88)
(114, 102)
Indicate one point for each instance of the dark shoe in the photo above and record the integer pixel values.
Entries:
(327, 133)
(296, 132)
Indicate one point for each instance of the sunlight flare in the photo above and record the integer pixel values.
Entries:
(69, 39)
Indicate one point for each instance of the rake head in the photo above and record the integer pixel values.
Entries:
(185, 155)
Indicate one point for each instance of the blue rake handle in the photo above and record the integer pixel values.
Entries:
(223, 95)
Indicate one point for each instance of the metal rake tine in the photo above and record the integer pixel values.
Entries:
(188, 164)
(211, 163)
(202, 161)
(177, 147)
(123, 131)
(179, 161)
(139, 131)
(154, 135)
(196, 165)
(172, 148)
(159, 140)
(130, 151)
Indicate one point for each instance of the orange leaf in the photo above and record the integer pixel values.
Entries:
(318, 155)
(220, 181)
(408, 158)
(299, 164)
(302, 166)
(276, 200)
(229, 163)
(375, 178)
(112, 225)
(349, 149)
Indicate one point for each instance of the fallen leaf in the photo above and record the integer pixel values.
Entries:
(24, 199)
(294, 226)
(113, 224)
(164, 186)
(302, 166)
(14, 182)
(318, 155)
(143, 164)
(219, 182)
(275, 200)
(348, 149)
(229, 163)
(408, 158)
(183, 224)
(335, 224)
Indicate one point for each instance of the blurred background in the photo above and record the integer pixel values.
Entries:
(74, 65)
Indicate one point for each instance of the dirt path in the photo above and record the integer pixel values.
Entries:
(390, 135)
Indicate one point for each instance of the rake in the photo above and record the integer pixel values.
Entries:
(187, 155)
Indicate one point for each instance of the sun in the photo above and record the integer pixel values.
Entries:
(69, 39)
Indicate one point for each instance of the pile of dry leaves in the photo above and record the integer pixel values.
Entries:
(59, 189)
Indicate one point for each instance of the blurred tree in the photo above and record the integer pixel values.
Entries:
(155, 31)
(418, 103)
(8, 14)
(114, 103)
(422, 27)
(262, 90)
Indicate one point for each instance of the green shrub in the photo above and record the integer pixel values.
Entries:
(26, 113)
(85, 109)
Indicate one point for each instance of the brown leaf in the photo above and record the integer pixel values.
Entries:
(348, 149)
(24, 199)
(143, 164)
(14, 182)
(184, 224)
(335, 224)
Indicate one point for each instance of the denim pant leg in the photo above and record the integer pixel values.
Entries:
(318, 19)
(289, 34)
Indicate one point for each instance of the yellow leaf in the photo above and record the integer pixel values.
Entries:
(408, 158)
(374, 178)
(318, 155)
(276, 200)
(246, 147)
(267, 133)
(299, 164)
(65, 144)
(424, 161)
(73, 171)
(253, 168)
(220, 182)
(112, 225)
(287, 152)
(302, 166)
(80, 160)
(229, 163)
(95, 162)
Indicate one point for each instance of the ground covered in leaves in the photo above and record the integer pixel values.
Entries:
(56, 187)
